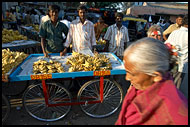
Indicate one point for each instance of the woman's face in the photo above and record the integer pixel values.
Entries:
(138, 79)
(156, 35)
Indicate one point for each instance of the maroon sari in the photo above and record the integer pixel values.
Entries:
(160, 104)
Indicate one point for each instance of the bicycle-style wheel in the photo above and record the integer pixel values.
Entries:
(34, 101)
(112, 98)
(6, 108)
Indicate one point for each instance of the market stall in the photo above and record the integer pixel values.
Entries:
(17, 42)
(31, 31)
(49, 101)
(26, 46)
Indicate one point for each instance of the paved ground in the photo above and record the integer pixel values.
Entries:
(76, 116)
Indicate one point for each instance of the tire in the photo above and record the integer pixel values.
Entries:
(6, 108)
(34, 101)
(112, 98)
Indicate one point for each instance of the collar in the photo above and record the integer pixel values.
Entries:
(116, 26)
(177, 25)
(85, 22)
(56, 23)
(183, 28)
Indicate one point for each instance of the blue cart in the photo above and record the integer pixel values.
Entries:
(49, 100)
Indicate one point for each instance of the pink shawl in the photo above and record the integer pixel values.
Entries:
(160, 104)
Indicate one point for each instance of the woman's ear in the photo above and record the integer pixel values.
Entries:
(158, 77)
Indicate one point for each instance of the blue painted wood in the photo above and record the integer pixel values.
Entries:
(15, 77)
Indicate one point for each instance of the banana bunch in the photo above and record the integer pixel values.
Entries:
(10, 35)
(11, 59)
(101, 42)
(81, 62)
(44, 67)
(36, 27)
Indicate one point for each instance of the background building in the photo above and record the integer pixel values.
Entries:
(165, 10)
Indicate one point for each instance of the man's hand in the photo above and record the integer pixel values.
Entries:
(63, 52)
(46, 54)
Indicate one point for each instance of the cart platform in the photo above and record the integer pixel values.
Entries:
(24, 70)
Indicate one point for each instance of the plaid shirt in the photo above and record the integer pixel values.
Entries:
(81, 35)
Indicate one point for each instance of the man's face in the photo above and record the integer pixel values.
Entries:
(53, 15)
(179, 20)
(101, 20)
(82, 14)
(119, 20)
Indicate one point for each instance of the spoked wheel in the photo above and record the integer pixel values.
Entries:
(112, 98)
(6, 108)
(34, 101)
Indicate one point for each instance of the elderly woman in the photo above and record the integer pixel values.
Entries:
(152, 97)
(156, 32)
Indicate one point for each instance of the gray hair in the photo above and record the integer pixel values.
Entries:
(148, 55)
(155, 28)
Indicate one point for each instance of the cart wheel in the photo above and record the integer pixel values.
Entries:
(6, 108)
(34, 101)
(112, 98)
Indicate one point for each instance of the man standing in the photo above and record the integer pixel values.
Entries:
(179, 38)
(54, 32)
(81, 33)
(173, 27)
(117, 37)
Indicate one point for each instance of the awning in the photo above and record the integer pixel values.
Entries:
(134, 19)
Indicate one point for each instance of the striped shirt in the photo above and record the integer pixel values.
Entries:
(81, 35)
(180, 38)
(116, 39)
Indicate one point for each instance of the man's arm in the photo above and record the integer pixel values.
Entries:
(43, 46)
(107, 46)
(127, 39)
(43, 34)
(166, 32)
(107, 38)
(68, 41)
(62, 53)
(164, 36)
(125, 45)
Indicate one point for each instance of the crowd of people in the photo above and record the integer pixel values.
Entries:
(153, 96)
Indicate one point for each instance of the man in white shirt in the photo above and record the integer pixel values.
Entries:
(179, 38)
(65, 21)
(81, 33)
(117, 37)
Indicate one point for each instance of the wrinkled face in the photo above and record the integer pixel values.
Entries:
(82, 14)
(179, 20)
(138, 79)
(156, 35)
(53, 15)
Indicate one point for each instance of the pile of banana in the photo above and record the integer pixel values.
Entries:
(11, 59)
(81, 62)
(36, 27)
(44, 67)
(101, 42)
(10, 35)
